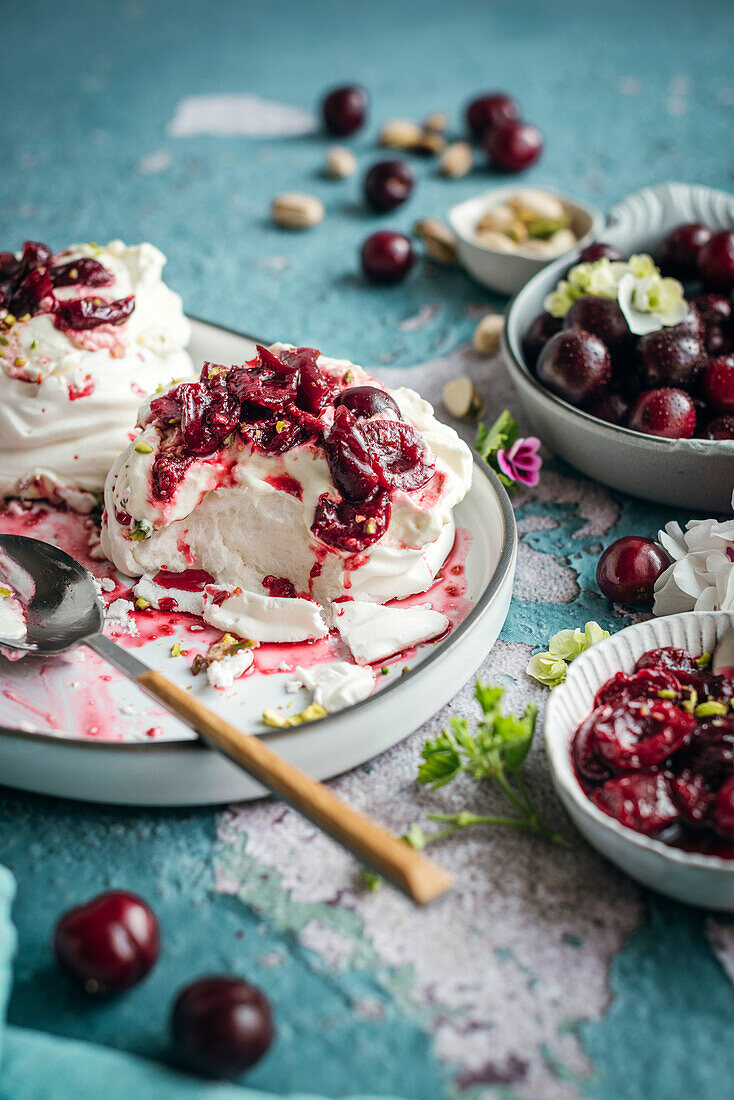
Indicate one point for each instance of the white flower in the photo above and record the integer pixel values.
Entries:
(701, 574)
(650, 303)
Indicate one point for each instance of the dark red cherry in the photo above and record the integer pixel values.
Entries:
(603, 318)
(344, 109)
(718, 384)
(35, 255)
(724, 809)
(612, 407)
(314, 389)
(399, 456)
(543, 327)
(221, 1026)
(721, 427)
(668, 413)
(351, 527)
(715, 313)
(646, 683)
(108, 944)
(34, 288)
(670, 359)
(513, 146)
(82, 272)
(387, 257)
(641, 802)
(716, 262)
(349, 456)
(388, 184)
(367, 401)
(487, 111)
(85, 313)
(678, 252)
(575, 365)
(597, 250)
(638, 734)
(627, 570)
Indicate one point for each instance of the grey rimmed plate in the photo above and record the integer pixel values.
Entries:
(177, 770)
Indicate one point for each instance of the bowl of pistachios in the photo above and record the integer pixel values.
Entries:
(506, 235)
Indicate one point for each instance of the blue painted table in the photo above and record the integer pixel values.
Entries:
(547, 975)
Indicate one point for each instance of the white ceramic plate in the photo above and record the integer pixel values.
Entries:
(686, 473)
(687, 876)
(177, 770)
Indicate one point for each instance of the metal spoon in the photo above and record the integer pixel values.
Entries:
(723, 656)
(63, 610)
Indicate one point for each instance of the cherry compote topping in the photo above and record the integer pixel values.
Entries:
(80, 314)
(221, 1026)
(272, 403)
(82, 272)
(366, 401)
(657, 751)
(109, 943)
(351, 527)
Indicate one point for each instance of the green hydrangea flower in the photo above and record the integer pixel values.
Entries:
(550, 667)
(649, 301)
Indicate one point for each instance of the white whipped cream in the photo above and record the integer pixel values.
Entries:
(12, 616)
(223, 673)
(70, 398)
(232, 516)
(338, 685)
(373, 632)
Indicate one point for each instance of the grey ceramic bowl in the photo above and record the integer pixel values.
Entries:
(685, 473)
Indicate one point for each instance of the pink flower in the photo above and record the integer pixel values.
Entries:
(522, 462)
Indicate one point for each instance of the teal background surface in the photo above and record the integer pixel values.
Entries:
(627, 94)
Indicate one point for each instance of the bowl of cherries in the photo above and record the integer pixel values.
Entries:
(640, 739)
(623, 355)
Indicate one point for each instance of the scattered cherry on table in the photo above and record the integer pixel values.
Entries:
(344, 109)
(388, 184)
(490, 110)
(221, 1026)
(387, 257)
(628, 568)
(108, 944)
(513, 146)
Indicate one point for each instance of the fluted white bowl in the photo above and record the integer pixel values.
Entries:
(685, 473)
(697, 879)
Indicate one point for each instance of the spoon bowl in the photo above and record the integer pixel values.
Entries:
(58, 595)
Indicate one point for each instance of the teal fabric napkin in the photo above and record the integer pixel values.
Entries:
(36, 1066)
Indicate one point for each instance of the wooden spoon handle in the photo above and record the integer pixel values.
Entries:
(405, 867)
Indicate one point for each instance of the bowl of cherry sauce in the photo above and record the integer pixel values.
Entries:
(640, 739)
(650, 413)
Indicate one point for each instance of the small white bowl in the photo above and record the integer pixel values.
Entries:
(686, 473)
(697, 879)
(506, 272)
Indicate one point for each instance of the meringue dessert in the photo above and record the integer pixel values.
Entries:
(274, 497)
(85, 335)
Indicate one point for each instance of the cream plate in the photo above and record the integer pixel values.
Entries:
(174, 769)
(686, 876)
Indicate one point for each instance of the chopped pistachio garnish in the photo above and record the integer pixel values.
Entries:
(20, 361)
(710, 709)
(143, 448)
(279, 721)
(280, 426)
(349, 376)
(177, 651)
(4, 592)
(703, 661)
(370, 526)
(667, 693)
(142, 529)
(4, 340)
(689, 705)
(141, 604)
(384, 670)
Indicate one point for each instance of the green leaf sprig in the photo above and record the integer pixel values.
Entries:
(494, 753)
(498, 437)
